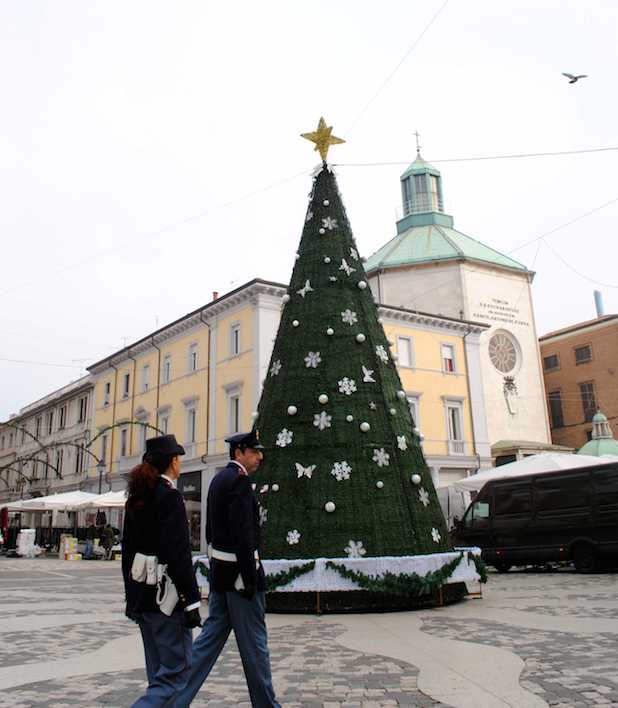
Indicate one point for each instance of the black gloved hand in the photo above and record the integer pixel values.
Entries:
(192, 618)
(248, 592)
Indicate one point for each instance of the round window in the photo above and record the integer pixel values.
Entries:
(503, 352)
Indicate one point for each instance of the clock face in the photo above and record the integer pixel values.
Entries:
(502, 352)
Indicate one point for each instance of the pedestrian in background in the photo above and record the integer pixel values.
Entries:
(156, 527)
(107, 538)
(91, 534)
(237, 582)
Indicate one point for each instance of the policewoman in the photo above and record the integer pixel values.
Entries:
(236, 576)
(156, 534)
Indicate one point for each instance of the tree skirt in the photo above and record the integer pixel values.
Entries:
(322, 578)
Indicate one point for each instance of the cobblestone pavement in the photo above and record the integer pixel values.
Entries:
(63, 622)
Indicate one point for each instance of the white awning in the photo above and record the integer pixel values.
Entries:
(533, 464)
(65, 501)
(108, 500)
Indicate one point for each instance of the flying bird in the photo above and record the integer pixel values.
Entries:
(572, 78)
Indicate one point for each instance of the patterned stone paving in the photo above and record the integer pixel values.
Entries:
(566, 669)
(563, 669)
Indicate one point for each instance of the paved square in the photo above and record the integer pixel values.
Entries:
(535, 639)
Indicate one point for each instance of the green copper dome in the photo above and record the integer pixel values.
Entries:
(425, 233)
(602, 442)
(435, 242)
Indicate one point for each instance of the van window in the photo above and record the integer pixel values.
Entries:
(566, 492)
(511, 499)
(478, 515)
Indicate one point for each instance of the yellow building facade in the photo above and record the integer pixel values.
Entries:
(200, 378)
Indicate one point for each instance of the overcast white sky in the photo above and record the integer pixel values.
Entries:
(120, 119)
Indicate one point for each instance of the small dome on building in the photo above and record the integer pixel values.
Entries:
(602, 442)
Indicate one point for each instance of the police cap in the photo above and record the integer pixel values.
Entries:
(244, 440)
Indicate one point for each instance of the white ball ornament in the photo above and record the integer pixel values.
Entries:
(326, 202)
(323, 399)
(349, 418)
(416, 478)
(285, 298)
(254, 415)
(292, 410)
(360, 338)
(329, 507)
(275, 487)
(362, 284)
(421, 437)
(295, 323)
(394, 357)
(380, 484)
(326, 259)
(380, 320)
(365, 427)
(330, 331)
(401, 395)
(297, 256)
(322, 231)
(392, 411)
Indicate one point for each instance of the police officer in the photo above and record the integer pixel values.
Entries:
(156, 526)
(237, 583)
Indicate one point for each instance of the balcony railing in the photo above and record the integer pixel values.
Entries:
(456, 447)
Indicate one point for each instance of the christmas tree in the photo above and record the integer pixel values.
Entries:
(343, 474)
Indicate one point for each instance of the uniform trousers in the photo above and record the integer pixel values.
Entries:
(227, 611)
(167, 647)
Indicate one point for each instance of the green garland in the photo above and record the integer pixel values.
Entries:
(274, 581)
(405, 584)
(481, 567)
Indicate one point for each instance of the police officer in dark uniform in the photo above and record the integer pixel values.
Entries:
(156, 527)
(237, 582)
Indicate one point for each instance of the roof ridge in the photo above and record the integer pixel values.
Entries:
(450, 240)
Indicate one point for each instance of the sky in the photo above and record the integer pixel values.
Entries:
(150, 152)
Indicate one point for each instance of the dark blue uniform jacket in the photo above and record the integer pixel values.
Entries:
(233, 525)
(160, 529)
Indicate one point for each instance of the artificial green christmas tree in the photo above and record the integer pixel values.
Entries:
(344, 475)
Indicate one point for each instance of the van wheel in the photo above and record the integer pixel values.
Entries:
(503, 566)
(584, 558)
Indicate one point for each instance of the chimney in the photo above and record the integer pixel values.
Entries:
(215, 295)
(598, 301)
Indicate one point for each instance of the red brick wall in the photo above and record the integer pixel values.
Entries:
(602, 370)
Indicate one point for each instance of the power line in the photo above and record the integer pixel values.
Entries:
(567, 223)
(397, 67)
(162, 230)
(478, 158)
(41, 363)
(578, 272)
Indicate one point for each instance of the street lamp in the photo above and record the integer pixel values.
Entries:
(100, 470)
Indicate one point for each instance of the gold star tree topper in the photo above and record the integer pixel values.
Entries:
(322, 138)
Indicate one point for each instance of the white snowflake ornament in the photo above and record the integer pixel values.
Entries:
(305, 289)
(402, 443)
(284, 438)
(329, 223)
(275, 368)
(347, 268)
(349, 317)
(373, 406)
(312, 360)
(435, 534)
(354, 253)
(322, 420)
(381, 353)
(304, 471)
(423, 496)
(381, 457)
(293, 537)
(355, 549)
(341, 470)
(347, 386)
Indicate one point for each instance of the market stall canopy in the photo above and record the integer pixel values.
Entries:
(66, 501)
(107, 500)
(534, 464)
